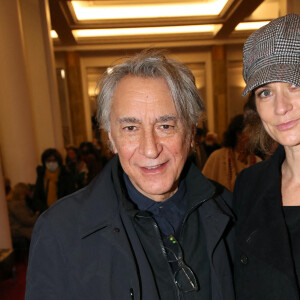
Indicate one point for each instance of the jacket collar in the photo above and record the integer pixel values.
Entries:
(265, 224)
(106, 189)
(100, 205)
(215, 214)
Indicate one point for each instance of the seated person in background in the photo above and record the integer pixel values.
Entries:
(224, 164)
(21, 217)
(77, 167)
(53, 180)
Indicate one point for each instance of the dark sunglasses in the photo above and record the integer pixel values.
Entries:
(183, 274)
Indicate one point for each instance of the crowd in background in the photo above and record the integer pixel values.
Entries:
(56, 178)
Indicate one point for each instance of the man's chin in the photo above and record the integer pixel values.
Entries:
(158, 193)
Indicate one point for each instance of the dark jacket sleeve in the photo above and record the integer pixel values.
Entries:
(45, 278)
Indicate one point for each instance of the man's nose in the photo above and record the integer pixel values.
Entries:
(150, 145)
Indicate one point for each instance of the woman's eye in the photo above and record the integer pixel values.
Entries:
(264, 93)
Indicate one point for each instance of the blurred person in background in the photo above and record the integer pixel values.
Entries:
(7, 186)
(224, 164)
(92, 158)
(199, 155)
(53, 180)
(77, 167)
(211, 143)
(21, 217)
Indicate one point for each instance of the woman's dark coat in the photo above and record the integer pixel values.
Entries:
(263, 263)
(86, 247)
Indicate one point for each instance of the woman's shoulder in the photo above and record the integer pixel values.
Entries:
(255, 169)
(250, 178)
(249, 183)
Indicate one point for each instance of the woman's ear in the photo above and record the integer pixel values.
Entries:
(111, 144)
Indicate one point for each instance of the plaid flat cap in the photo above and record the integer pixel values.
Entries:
(272, 53)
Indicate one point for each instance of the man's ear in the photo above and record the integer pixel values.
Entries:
(111, 144)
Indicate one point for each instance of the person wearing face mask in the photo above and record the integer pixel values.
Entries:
(53, 180)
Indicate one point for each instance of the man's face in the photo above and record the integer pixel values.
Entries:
(150, 139)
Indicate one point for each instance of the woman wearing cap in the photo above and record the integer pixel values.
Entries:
(267, 194)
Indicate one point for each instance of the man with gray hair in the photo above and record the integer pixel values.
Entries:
(150, 226)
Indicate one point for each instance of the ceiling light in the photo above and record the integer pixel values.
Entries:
(54, 34)
(211, 28)
(250, 25)
(101, 10)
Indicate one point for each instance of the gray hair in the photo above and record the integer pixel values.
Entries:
(153, 64)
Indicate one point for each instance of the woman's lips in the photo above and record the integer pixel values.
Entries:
(287, 125)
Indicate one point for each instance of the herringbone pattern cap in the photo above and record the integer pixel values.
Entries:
(272, 53)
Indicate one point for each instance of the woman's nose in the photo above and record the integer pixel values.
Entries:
(283, 104)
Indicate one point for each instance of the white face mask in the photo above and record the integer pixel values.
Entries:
(52, 166)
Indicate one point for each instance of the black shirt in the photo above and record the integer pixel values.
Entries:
(168, 214)
(292, 219)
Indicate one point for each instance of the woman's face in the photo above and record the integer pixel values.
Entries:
(278, 105)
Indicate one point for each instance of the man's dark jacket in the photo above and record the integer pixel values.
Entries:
(264, 267)
(85, 245)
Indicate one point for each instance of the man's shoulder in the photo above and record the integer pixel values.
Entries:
(65, 210)
(221, 190)
(76, 207)
(222, 197)
(207, 188)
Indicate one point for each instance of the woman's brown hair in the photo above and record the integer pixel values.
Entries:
(259, 138)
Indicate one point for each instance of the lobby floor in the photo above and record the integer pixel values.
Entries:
(14, 288)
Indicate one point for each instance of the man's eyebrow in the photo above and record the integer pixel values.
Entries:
(166, 118)
(133, 120)
(129, 120)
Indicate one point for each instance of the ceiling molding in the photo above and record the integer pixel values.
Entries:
(235, 11)
(237, 15)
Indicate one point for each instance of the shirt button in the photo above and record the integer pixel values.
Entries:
(244, 259)
(116, 229)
